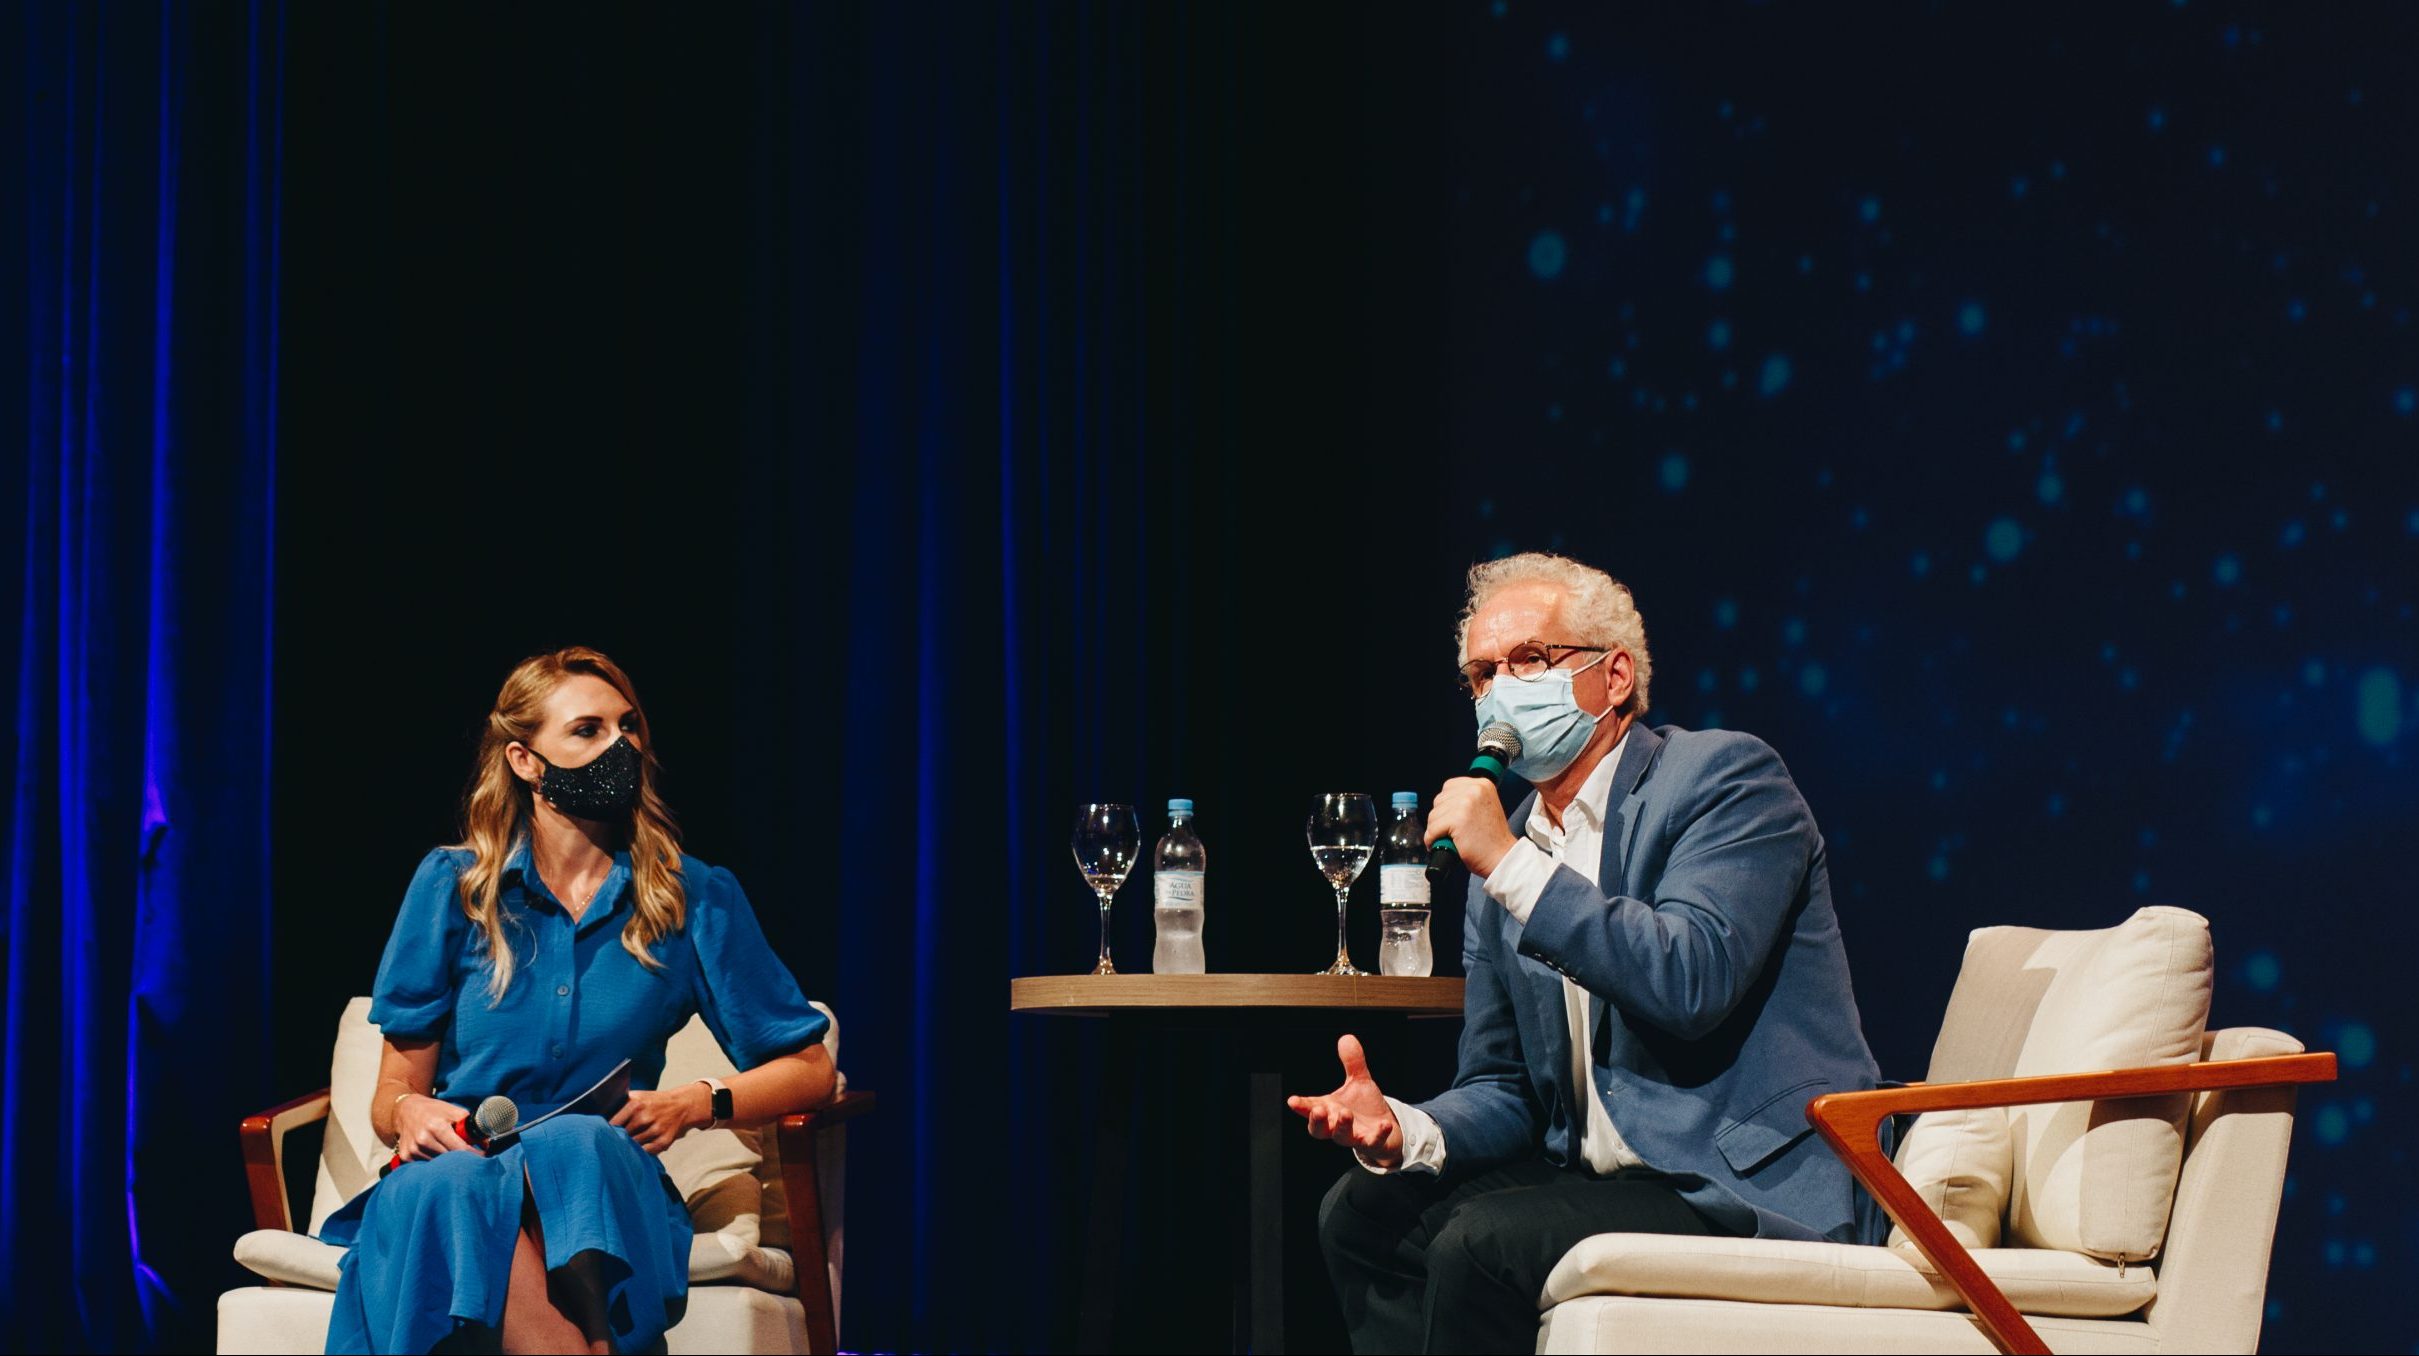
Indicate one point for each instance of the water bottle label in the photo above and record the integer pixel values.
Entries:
(1177, 889)
(1404, 885)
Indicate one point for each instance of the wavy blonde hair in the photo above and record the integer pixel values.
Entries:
(1596, 608)
(497, 808)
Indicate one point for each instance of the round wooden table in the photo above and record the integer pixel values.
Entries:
(1242, 1003)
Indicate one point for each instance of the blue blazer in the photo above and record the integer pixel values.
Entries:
(1723, 997)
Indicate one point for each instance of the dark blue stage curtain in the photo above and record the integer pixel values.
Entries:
(1019, 198)
(140, 145)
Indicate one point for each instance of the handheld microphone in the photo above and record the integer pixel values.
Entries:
(1498, 745)
(496, 1118)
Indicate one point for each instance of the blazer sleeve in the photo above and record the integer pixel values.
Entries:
(1492, 1113)
(1683, 960)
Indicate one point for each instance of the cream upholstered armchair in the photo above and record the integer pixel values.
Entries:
(2091, 1171)
(764, 1268)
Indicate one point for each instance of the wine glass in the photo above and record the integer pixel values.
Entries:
(1107, 840)
(1343, 834)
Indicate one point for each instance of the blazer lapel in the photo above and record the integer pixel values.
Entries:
(1638, 752)
(1639, 749)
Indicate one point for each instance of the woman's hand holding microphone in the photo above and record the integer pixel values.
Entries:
(424, 1126)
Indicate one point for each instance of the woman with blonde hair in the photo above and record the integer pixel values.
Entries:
(566, 933)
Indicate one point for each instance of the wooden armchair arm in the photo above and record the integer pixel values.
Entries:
(797, 1136)
(1850, 1122)
(264, 1140)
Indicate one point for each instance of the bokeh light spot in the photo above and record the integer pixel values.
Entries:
(1718, 272)
(1675, 472)
(2003, 539)
(1547, 255)
(1774, 379)
(2379, 706)
(2262, 970)
(2227, 571)
(1970, 318)
(2332, 1127)
(1812, 680)
(2356, 1045)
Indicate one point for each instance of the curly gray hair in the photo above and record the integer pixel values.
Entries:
(1596, 608)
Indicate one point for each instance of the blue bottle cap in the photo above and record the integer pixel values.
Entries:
(1406, 800)
(1180, 807)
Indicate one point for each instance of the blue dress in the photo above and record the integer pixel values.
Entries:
(429, 1248)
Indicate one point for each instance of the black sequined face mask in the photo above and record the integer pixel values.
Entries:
(600, 788)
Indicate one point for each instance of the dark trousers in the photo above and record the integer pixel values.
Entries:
(1422, 1263)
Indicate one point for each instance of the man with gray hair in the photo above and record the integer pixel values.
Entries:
(1656, 988)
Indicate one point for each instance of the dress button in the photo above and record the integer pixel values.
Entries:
(558, 1051)
(561, 989)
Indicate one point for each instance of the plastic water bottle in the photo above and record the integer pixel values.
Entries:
(1402, 892)
(1177, 874)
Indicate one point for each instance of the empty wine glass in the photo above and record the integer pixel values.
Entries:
(1107, 840)
(1343, 834)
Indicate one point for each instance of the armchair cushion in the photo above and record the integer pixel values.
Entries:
(1959, 1164)
(2097, 1178)
(1787, 1271)
(710, 1166)
(289, 1258)
(349, 1157)
(729, 1255)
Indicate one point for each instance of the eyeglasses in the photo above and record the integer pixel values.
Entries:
(1527, 662)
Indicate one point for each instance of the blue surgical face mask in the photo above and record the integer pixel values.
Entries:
(1546, 713)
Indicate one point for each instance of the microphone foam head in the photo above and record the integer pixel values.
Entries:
(496, 1116)
(1501, 740)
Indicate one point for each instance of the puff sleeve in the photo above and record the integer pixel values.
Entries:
(413, 998)
(748, 998)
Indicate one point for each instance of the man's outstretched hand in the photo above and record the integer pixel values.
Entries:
(1355, 1113)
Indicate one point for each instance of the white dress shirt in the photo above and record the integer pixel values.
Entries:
(1517, 883)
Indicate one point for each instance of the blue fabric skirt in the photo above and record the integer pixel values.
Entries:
(429, 1249)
